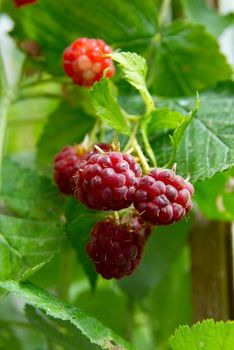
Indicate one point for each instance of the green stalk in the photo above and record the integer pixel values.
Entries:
(5, 102)
(148, 148)
(140, 154)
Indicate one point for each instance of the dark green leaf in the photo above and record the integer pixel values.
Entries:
(119, 22)
(207, 146)
(200, 12)
(8, 339)
(26, 245)
(28, 194)
(89, 326)
(80, 221)
(207, 335)
(29, 239)
(182, 64)
(161, 250)
(176, 303)
(67, 125)
(107, 107)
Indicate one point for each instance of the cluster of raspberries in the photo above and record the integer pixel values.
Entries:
(20, 3)
(104, 179)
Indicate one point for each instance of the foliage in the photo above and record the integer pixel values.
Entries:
(151, 107)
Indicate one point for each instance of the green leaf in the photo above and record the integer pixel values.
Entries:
(28, 194)
(163, 118)
(207, 146)
(107, 107)
(200, 12)
(177, 303)
(8, 339)
(26, 245)
(163, 247)
(67, 125)
(215, 197)
(89, 326)
(135, 68)
(181, 63)
(30, 233)
(11, 59)
(59, 332)
(179, 132)
(80, 222)
(207, 335)
(119, 22)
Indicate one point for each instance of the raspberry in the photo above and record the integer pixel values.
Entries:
(84, 61)
(163, 197)
(66, 164)
(116, 250)
(107, 181)
(19, 3)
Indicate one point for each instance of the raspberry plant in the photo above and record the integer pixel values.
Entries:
(116, 120)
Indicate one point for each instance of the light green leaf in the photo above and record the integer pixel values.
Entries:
(59, 332)
(80, 222)
(200, 12)
(164, 118)
(89, 326)
(208, 335)
(179, 132)
(215, 197)
(107, 107)
(135, 68)
(120, 23)
(181, 64)
(67, 125)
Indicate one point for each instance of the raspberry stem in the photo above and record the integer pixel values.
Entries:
(140, 154)
(148, 148)
(5, 102)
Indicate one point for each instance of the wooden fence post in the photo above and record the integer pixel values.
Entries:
(212, 270)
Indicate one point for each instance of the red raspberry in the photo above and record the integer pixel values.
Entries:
(19, 3)
(66, 164)
(116, 250)
(107, 181)
(84, 61)
(163, 197)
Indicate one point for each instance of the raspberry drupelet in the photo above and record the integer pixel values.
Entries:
(107, 181)
(163, 197)
(66, 164)
(116, 249)
(20, 3)
(85, 61)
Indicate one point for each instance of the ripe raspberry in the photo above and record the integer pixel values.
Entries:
(66, 164)
(107, 181)
(84, 61)
(163, 197)
(116, 250)
(19, 3)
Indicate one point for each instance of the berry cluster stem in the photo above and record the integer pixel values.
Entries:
(148, 148)
(5, 102)
(141, 155)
